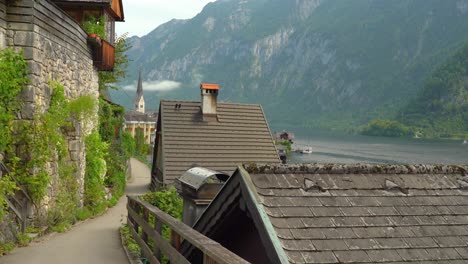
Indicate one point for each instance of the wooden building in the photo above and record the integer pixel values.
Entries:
(209, 134)
(341, 214)
(111, 11)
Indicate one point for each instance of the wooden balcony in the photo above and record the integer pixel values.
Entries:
(103, 54)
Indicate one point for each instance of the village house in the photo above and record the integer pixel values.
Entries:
(139, 119)
(312, 213)
(210, 134)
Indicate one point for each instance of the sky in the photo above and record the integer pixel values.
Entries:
(142, 16)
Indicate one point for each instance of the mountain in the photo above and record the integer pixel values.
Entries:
(441, 108)
(315, 63)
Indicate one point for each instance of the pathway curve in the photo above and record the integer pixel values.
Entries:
(94, 241)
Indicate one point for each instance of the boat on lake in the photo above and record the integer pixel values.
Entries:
(305, 150)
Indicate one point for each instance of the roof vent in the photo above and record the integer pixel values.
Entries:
(391, 186)
(312, 186)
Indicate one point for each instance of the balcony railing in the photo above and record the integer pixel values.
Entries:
(103, 54)
(146, 221)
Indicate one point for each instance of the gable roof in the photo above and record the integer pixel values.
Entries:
(354, 213)
(135, 116)
(240, 135)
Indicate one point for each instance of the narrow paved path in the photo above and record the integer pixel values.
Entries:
(94, 241)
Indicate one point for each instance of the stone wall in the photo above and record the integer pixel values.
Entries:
(56, 49)
(3, 24)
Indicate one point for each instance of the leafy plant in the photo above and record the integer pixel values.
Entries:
(128, 240)
(96, 151)
(23, 239)
(6, 248)
(13, 78)
(92, 24)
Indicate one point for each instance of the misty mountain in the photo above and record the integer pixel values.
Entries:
(315, 63)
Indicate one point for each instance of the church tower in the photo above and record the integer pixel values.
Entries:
(139, 100)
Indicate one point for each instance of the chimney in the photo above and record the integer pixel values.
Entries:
(209, 95)
(199, 186)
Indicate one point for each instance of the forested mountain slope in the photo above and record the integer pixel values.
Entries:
(318, 63)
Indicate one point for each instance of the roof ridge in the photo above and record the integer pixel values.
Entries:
(331, 168)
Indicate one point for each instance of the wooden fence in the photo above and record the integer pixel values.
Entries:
(19, 202)
(145, 222)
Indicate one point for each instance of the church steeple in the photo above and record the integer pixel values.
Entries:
(139, 100)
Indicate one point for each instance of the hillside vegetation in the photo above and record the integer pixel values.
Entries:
(311, 63)
(441, 108)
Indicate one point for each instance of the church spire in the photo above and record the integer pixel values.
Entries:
(139, 100)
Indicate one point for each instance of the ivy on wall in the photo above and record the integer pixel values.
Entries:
(13, 78)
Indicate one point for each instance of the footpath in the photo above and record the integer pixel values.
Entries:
(93, 241)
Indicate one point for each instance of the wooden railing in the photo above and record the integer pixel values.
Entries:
(20, 201)
(145, 222)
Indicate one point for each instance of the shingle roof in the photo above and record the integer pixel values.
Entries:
(240, 135)
(366, 213)
(135, 116)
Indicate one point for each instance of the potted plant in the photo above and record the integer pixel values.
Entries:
(95, 27)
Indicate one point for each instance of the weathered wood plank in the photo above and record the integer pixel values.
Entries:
(164, 245)
(146, 250)
(208, 246)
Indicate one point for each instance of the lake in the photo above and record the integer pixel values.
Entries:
(329, 147)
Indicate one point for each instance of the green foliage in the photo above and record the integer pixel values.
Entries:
(83, 213)
(287, 144)
(142, 149)
(63, 213)
(110, 122)
(167, 201)
(6, 248)
(110, 119)
(60, 227)
(386, 128)
(92, 24)
(23, 239)
(44, 139)
(441, 109)
(7, 187)
(128, 144)
(342, 65)
(128, 240)
(96, 151)
(32, 229)
(13, 78)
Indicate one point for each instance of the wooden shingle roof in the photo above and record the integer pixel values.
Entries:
(240, 135)
(353, 213)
